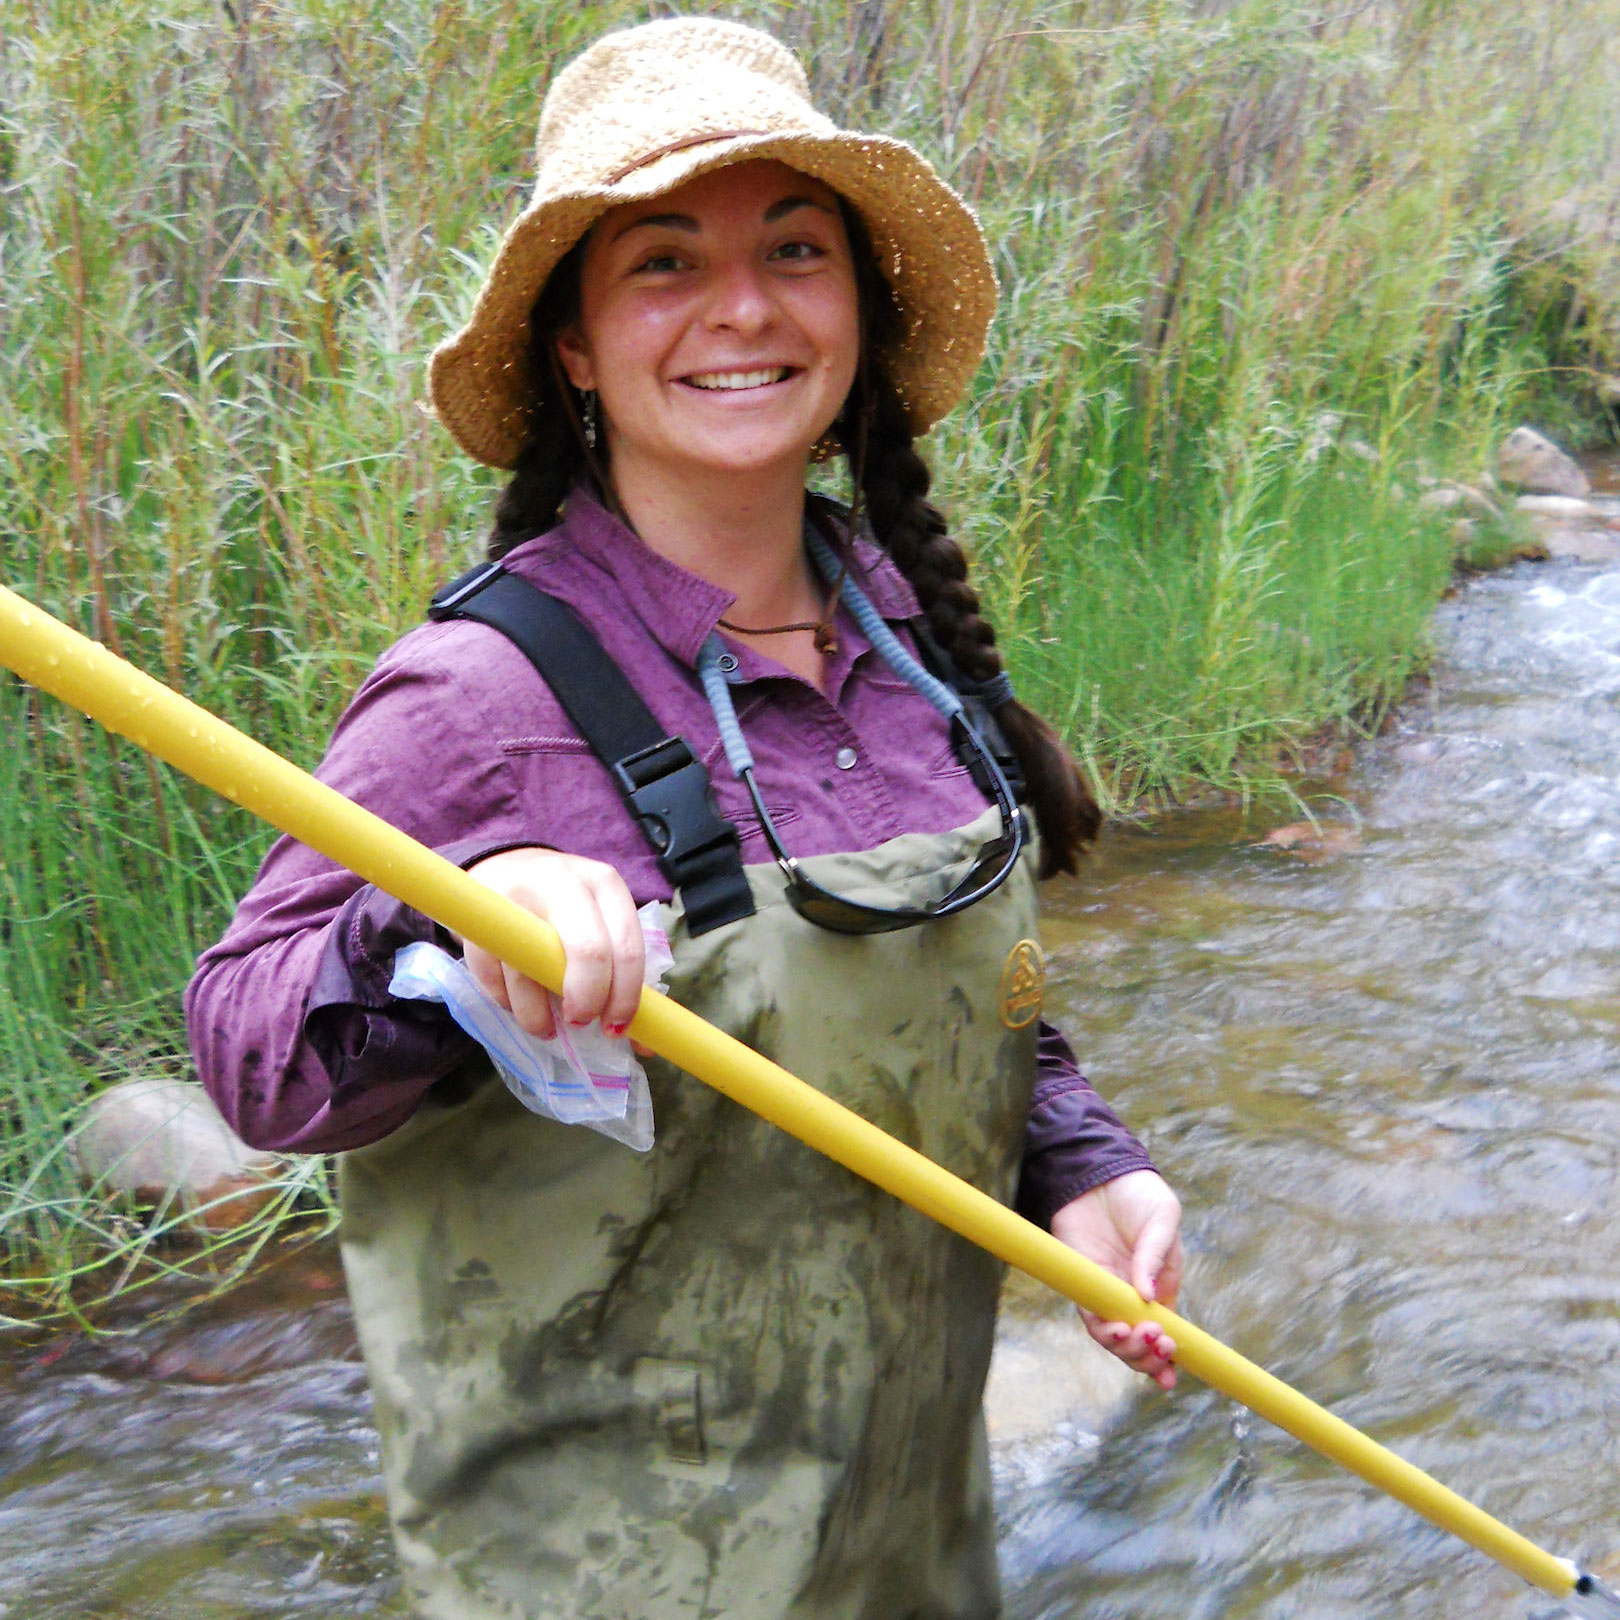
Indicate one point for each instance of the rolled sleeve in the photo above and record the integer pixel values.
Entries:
(363, 1036)
(1074, 1141)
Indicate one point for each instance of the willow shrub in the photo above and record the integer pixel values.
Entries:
(1256, 258)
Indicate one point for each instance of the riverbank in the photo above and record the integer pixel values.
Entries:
(1262, 271)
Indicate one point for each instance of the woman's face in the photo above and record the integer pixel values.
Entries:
(718, 324)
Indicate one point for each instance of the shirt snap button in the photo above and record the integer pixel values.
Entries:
(845, 758)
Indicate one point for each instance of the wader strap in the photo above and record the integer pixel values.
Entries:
(664, 785)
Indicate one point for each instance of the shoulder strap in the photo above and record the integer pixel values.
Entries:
(664, 785)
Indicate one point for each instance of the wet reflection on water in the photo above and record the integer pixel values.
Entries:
(1385, 1076)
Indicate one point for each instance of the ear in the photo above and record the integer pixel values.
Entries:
(575, 356)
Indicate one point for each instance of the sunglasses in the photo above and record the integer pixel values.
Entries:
(990, 869)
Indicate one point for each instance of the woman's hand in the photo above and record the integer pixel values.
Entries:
(1131, 1226)
(595, 917)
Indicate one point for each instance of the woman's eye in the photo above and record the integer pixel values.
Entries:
(799, 252)
(660, 263)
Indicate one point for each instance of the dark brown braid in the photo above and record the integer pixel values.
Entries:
(554, 458)
(894, 481)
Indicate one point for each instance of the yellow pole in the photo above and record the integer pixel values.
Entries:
(55, 658)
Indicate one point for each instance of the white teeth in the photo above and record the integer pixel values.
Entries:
(738, 379)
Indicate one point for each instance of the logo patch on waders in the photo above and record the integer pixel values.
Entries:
(1023, 979)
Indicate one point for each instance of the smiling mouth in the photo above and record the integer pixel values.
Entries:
(730, 382)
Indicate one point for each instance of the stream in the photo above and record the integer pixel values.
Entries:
(1382, 1067)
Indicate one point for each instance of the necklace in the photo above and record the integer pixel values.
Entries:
(826, 637)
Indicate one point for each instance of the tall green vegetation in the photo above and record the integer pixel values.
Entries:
(1256, 258)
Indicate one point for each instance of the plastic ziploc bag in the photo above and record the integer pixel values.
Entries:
(581, 1077)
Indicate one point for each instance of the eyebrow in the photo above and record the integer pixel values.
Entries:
(685, 222)
(674, 222)
(787, 205)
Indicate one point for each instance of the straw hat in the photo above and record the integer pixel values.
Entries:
(645, 110)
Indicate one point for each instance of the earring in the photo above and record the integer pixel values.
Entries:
(587, 402)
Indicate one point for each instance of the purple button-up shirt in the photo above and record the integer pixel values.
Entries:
(455, 739)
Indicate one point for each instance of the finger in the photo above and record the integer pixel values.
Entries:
(1146, 1347)
(573, 910)
(1153, 1245)
(1130, 1344)
(1157, 1345)
(626, 943)
(1169, 1279)
(1165, 1375)
(1161, 1372)
(1157, 1361)
(1112, 1336)
(489, 973)
(534, 1006)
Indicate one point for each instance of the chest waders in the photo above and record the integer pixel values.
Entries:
(727, 1377)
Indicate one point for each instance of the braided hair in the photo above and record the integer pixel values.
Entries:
(892, 482)
(555, 456)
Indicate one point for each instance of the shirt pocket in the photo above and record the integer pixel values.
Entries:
(938, 754)
(731, 799)
(568, 801)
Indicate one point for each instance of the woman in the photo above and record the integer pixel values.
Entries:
(724, 1377)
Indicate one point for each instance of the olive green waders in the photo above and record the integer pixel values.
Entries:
(726, 1377)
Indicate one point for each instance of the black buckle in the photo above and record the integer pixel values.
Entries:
(667, 790)
(450, 597)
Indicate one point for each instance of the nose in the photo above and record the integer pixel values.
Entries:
(740, 298)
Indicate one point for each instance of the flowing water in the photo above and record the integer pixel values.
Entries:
(1382, 1067)
(1383, 1070)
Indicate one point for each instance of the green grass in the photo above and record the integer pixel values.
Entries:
(1262, 264)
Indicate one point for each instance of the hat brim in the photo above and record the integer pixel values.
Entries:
(927, 243)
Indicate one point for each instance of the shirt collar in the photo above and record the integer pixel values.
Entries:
(679, 608)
